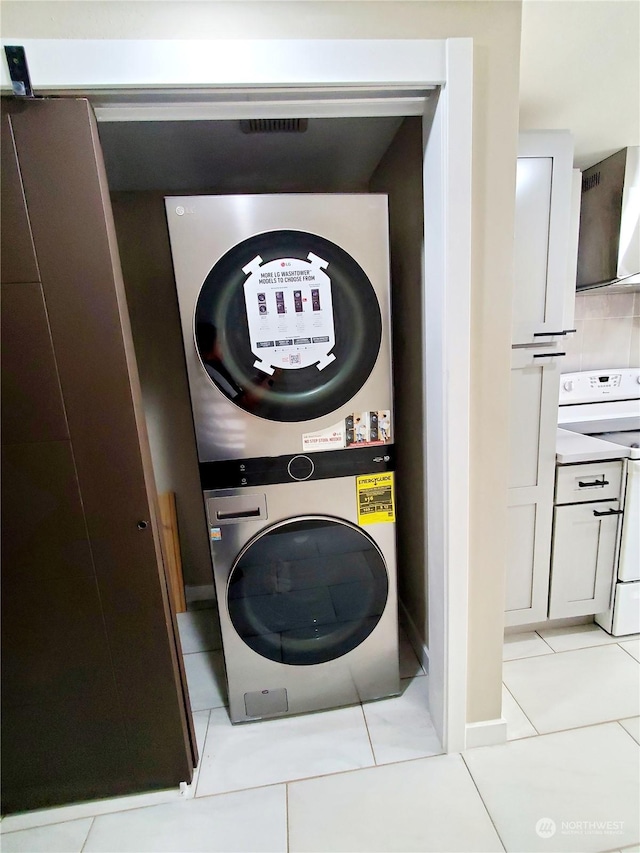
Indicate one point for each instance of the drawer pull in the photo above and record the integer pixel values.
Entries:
(608, 512)
(584, 485)
(549, 354)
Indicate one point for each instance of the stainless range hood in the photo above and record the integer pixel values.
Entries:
(609, 243)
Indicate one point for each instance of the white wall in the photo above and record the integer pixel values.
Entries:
(495, 29)
(580, 70)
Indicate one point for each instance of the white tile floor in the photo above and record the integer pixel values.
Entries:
(370, 778)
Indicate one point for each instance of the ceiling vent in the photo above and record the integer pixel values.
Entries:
(274, 125)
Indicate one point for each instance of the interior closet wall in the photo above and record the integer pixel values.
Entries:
(400, 175)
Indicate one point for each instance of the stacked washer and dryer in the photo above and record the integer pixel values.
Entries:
(285, 310)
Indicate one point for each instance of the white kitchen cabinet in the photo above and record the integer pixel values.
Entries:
(585, 537)
(588, 481)
(545, 257)
(535, 378)
(546, 229)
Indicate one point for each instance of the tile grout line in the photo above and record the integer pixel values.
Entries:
(489, 815)
(626, 651)
(568, 651)
(529, 657)
(585, 726)
(286, 817)
(204, 749)
(627, 730)
(522, 709)
(366, 728)
(84, 843)
(545, 642)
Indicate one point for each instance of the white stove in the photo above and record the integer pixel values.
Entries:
(603, 403)
(606, 404)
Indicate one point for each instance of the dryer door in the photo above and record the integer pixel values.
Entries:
(307, 590)
(287, 326)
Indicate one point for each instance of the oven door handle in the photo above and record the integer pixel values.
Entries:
(608, 512)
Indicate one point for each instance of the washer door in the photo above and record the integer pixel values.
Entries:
(308, 590)
(287, 326)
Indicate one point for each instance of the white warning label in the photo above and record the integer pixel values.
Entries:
(290, 313)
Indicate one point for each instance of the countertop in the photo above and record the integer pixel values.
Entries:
(575, 447)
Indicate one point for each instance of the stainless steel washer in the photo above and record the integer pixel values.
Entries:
(306, 594)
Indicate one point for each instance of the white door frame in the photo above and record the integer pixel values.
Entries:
(209, 79)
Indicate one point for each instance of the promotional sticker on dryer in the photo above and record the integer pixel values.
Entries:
(289, 313)
(359, 429)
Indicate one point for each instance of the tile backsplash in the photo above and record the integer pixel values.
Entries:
(608, 332)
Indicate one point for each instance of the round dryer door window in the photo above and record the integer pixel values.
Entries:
(288, 326)
(307, 591)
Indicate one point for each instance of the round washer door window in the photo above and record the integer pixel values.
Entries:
(307, 591)
(287, 325)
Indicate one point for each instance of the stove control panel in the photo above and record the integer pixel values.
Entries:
(599, 386)
(605, 380)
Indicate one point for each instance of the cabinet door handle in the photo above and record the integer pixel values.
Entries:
(608, 512)
(584, 485)
(553, 334)
(549, 354)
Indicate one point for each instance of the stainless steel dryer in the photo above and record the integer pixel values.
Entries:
(305, 577)
(284, 302)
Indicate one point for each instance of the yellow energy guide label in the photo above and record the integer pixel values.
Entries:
(375, 498)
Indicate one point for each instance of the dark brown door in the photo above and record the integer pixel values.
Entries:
(94, 698)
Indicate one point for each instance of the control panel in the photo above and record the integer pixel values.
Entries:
(593, 386)
(268, 470)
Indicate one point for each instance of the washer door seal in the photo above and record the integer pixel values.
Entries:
(223, 340)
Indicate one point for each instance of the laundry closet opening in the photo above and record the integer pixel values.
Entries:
(147, 161)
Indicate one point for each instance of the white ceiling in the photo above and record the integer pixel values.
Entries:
(580, 70)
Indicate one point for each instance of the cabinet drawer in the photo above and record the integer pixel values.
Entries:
(592, 482)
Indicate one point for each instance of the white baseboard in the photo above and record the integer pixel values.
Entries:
(413, 635)
(567, 622)
(486, 733)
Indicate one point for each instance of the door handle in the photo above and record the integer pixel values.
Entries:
(584, 485)
(608, 512)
